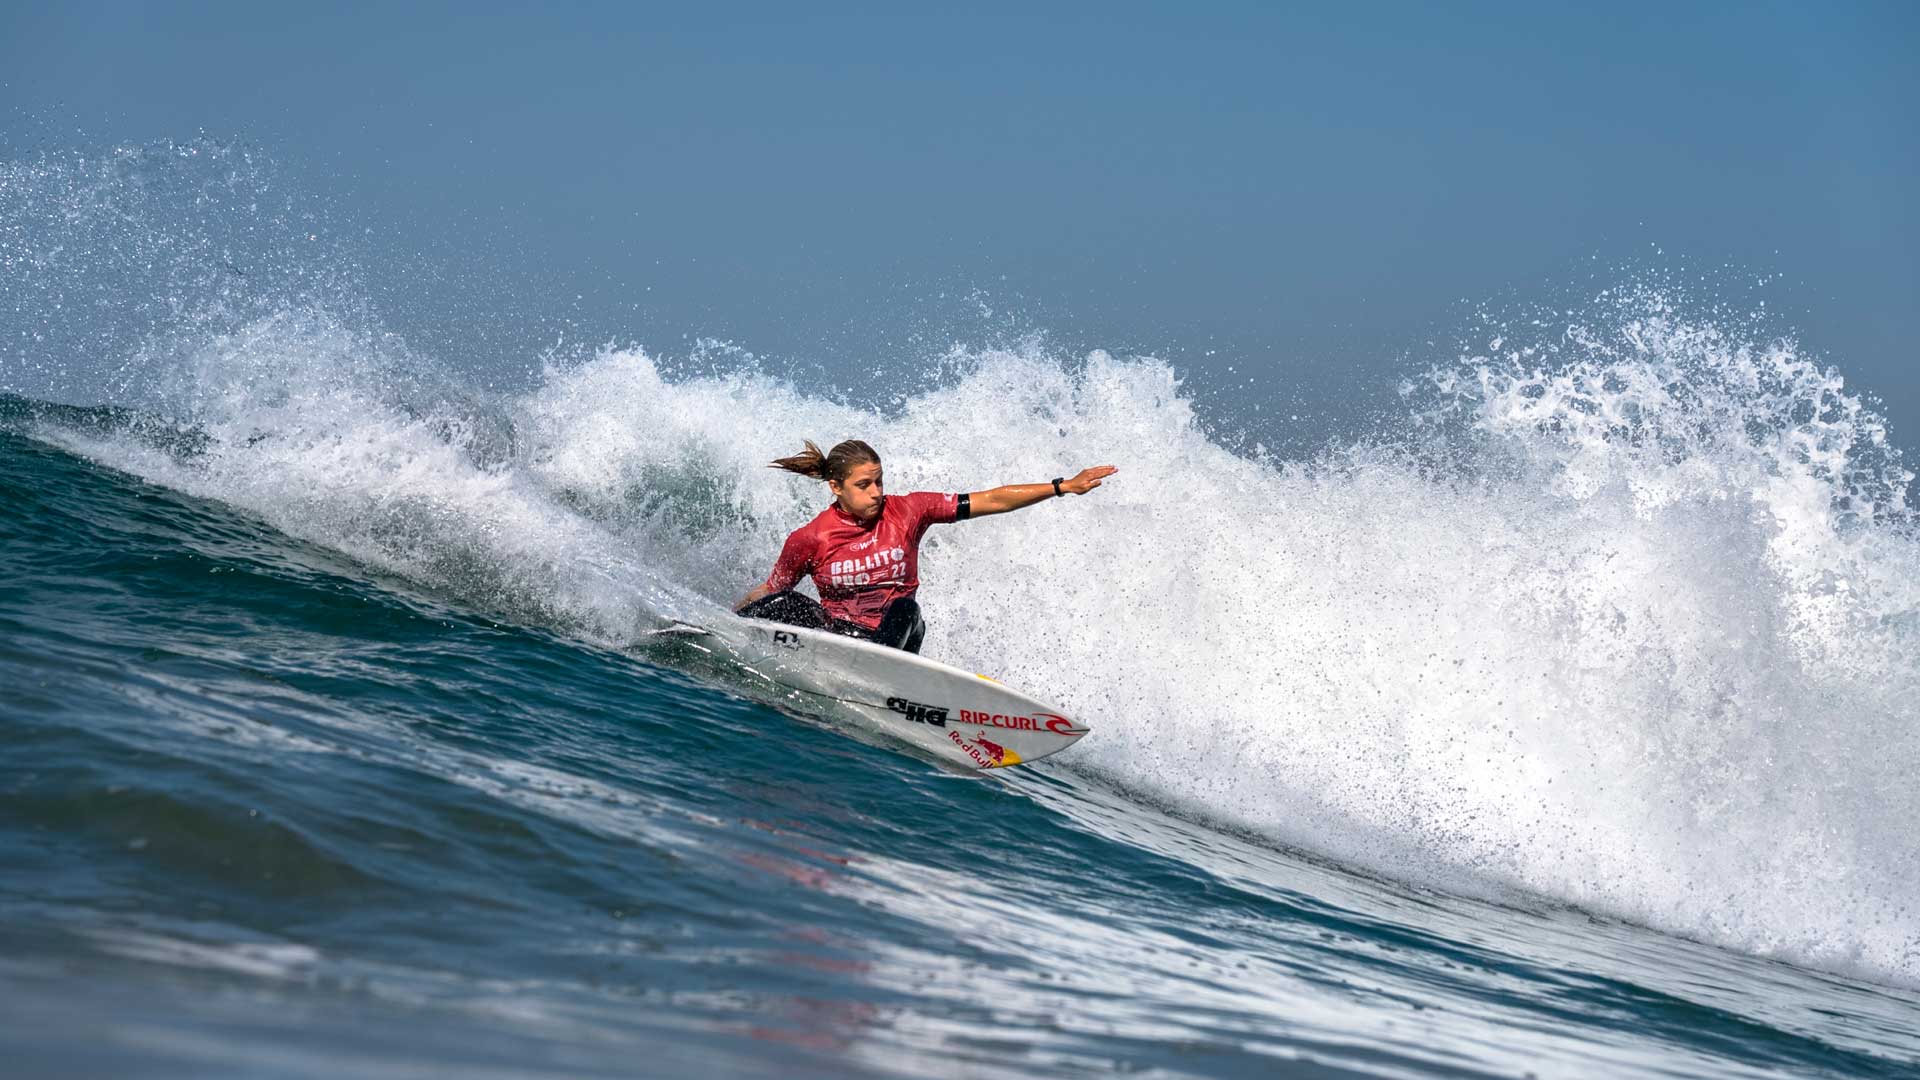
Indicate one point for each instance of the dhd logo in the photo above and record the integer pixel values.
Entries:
(918, 713)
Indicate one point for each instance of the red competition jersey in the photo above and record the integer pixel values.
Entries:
(860, 569)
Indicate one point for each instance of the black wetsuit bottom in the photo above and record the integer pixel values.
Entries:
(900, 628)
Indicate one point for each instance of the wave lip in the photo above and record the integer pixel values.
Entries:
(1627, 618)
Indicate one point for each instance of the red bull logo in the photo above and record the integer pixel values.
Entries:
(984, 752)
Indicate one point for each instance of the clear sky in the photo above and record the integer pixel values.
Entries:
(1312, 193)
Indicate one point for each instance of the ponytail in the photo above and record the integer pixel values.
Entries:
(833, 465)
(809, 462)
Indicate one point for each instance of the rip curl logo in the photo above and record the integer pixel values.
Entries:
(1053, 722)
(936, 715)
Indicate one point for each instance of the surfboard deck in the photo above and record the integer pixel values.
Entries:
(959, 716)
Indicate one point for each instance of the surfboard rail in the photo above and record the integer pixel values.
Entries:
(963, 717)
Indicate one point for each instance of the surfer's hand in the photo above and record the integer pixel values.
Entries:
(1087, 479)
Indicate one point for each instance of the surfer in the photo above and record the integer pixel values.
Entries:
(864, 550)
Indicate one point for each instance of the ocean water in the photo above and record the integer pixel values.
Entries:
(1565, 725)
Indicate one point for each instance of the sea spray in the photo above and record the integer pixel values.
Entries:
(1621, 611)
(1627, 623)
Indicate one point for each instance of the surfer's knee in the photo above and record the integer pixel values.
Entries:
(902, 627)
(792, 608)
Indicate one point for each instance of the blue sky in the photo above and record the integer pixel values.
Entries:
(1314, 194)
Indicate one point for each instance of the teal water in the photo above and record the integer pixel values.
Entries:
(1563, 723)
(267, 809)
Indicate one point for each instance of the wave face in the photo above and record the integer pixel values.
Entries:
(1554, 712)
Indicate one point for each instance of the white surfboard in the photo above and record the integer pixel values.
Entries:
(962, 717)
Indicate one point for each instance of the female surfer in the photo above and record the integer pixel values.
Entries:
(864, 550)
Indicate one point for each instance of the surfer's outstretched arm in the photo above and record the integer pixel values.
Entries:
(1014, 496)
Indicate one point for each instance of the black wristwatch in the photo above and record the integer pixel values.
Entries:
(1056, 486)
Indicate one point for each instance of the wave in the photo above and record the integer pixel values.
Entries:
(1626, 617)
(1620, 609)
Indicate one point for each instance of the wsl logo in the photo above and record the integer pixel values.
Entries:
(918, 713)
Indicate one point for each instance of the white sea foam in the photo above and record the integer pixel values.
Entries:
(1627, 619)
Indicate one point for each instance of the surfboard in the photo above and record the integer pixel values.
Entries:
(959, 716)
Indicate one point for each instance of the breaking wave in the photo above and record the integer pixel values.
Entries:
(1625, 615)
